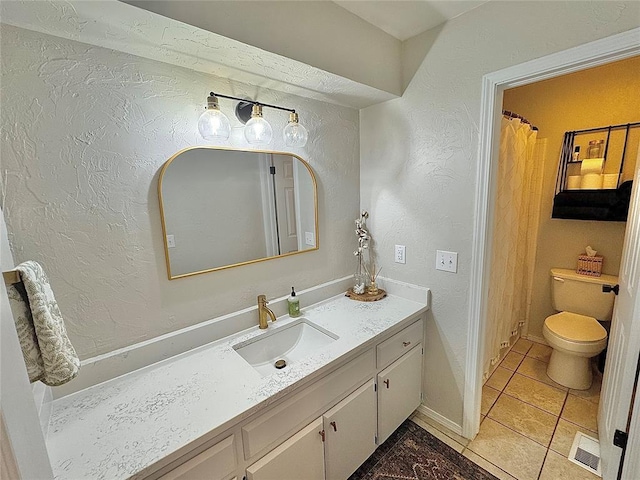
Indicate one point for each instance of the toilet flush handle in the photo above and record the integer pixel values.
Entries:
(558, 279)
(611, 288)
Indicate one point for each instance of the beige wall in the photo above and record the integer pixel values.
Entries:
(418, 157)
(591, 98)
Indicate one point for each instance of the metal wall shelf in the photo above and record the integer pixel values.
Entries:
(610, 204)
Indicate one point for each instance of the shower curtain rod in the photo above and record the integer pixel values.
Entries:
(509, 114)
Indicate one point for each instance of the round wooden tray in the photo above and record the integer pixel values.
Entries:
(366, 297)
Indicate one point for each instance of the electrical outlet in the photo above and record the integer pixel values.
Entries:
(310, 239)
(401, 252)
(447, 261)
(171, 241)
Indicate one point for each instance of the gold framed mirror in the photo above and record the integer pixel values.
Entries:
(223, 207)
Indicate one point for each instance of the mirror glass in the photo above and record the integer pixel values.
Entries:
(222, 208)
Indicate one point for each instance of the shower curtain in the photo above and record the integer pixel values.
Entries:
(514, 238)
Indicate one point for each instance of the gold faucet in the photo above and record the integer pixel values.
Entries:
(263, 311)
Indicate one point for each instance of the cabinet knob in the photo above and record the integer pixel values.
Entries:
(333, 424)
(321, 432)
(406, 344)
(386, 382)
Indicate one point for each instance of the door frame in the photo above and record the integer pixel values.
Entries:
(592, 54)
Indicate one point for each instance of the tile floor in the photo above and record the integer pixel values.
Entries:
(528, 420)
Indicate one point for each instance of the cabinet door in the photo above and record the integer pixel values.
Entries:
(399, 389)
(350, 429)
(301, 456)
(215, 463)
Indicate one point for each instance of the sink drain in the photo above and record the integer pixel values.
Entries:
(280, 364)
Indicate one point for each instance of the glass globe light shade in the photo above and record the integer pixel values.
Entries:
(257, 130)
(213, 124)
(295, 135)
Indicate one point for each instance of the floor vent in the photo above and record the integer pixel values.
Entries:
(585, 452)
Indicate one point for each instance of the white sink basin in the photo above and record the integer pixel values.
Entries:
(291, 344)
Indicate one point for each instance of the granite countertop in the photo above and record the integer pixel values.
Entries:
(125, 427)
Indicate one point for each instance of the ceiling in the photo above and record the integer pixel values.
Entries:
(404, 19)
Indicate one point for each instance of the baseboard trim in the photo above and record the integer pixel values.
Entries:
(442, 420)
(535, 338)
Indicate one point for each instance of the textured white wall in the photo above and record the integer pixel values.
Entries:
(349, 46)
(419, 153)
(115, 24)
(84, 132)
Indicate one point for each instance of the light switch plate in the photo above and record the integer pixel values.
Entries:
(447, 261)
(401, 254)
(171, 241)
(310, 239)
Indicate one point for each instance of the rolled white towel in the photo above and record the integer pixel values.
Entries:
(591, 165)
(591, 181)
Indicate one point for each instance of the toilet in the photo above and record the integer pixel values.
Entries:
(574, 334)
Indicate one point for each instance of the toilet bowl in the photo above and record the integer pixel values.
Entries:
(574, 334)
(574, 339)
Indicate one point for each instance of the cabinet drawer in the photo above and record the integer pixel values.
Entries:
(288, 416)
(399, 344)
(215, 463)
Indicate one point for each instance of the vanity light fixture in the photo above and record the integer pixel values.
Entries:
(257, 130)
(214, 125)
(295, 135)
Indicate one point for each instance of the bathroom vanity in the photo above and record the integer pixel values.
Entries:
(221, 411)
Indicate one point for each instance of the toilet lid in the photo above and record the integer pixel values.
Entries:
(575, 327)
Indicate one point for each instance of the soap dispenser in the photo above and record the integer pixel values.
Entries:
(294, 304)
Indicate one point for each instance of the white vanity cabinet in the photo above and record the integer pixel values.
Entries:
(331, 447)
(326, 430)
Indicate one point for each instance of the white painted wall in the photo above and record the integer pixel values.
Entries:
(419, 153)
(123, 27)
(85, 130)
(317, 33)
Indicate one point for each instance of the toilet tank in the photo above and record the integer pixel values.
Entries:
(575, 293)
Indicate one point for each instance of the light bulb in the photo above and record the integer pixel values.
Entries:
(257, 130)
(295, 135)
(213, 124)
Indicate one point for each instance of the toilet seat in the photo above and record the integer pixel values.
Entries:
(575, 327)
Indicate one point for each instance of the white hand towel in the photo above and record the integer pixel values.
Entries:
(48, 353)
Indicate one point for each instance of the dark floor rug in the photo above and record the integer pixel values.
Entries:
(412, 453)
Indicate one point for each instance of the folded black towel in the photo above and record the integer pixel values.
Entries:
(608, 205)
